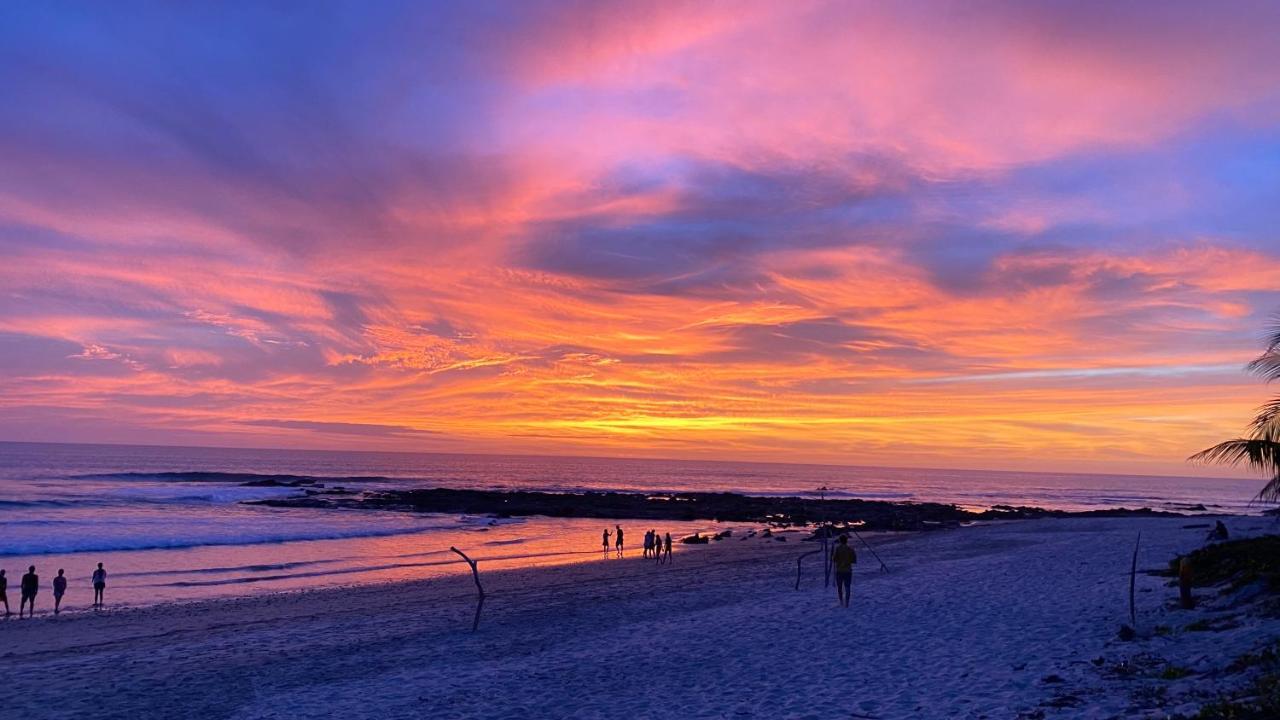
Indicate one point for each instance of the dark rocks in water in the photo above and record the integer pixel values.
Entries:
(726, 507)
(1022, 512)
(722, 535)
(695, 539)
(778, 512)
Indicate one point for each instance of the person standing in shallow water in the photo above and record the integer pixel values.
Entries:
(617, 542)
(30, 586)
(843, 557)
(99, 585)
(4, 593)
(666, 557)
(59, 589)
(604, 540)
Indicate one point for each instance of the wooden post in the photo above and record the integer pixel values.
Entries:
(1184, 583)
(826, 556)
(475, 575)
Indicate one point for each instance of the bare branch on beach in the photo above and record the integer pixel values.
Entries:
(475, 575)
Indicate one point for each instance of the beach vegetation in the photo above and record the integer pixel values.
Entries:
(1259, 699)
(1238, 563)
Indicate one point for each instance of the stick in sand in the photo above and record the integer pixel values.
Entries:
(1133, 578)
(883, 567)
(475, 575)
(798, 564)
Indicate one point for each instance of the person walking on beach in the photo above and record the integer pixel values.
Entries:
(59, 589)
(100, 584)
(605, 541)
(648, 542)
(30, 586)
(843, 558)
(666, 557)
(4, 593)
(617, 539)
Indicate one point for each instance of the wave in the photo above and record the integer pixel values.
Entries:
(55, 546)
(360, 569)
(38, 503)
(211, 476)
(259, 567)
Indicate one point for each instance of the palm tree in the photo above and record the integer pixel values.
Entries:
(1260, 449)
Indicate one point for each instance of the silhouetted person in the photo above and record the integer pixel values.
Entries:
(4, 593)
(99, 585)
(30, 586)
(59, 589)
(667, 553)
(657, 546)
(617, 539)
(843, 558)
(1219, 532)
(605, 541)
(648, 542)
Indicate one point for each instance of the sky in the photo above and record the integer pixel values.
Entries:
(1039, 236)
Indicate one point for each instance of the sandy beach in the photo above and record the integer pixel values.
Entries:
(1003, 620)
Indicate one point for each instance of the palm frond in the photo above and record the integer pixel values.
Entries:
(1266, 424)
(1267, 365)
(1273, 335)
(1271, 491)
(1259, 454)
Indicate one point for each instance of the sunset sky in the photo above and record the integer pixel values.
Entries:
(1040, 236)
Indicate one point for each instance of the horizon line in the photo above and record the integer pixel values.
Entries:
(614, 457)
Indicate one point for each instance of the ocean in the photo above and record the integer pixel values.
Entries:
(168, 523)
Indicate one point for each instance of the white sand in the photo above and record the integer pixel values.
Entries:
(970, 623)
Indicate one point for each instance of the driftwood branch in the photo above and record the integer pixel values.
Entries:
(798, 564)
(475, 575)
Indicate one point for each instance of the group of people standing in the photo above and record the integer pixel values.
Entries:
(31, 587)
(655, 545)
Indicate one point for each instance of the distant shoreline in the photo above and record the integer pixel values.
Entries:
(728, 507)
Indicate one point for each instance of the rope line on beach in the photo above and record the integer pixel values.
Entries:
(883, 567)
